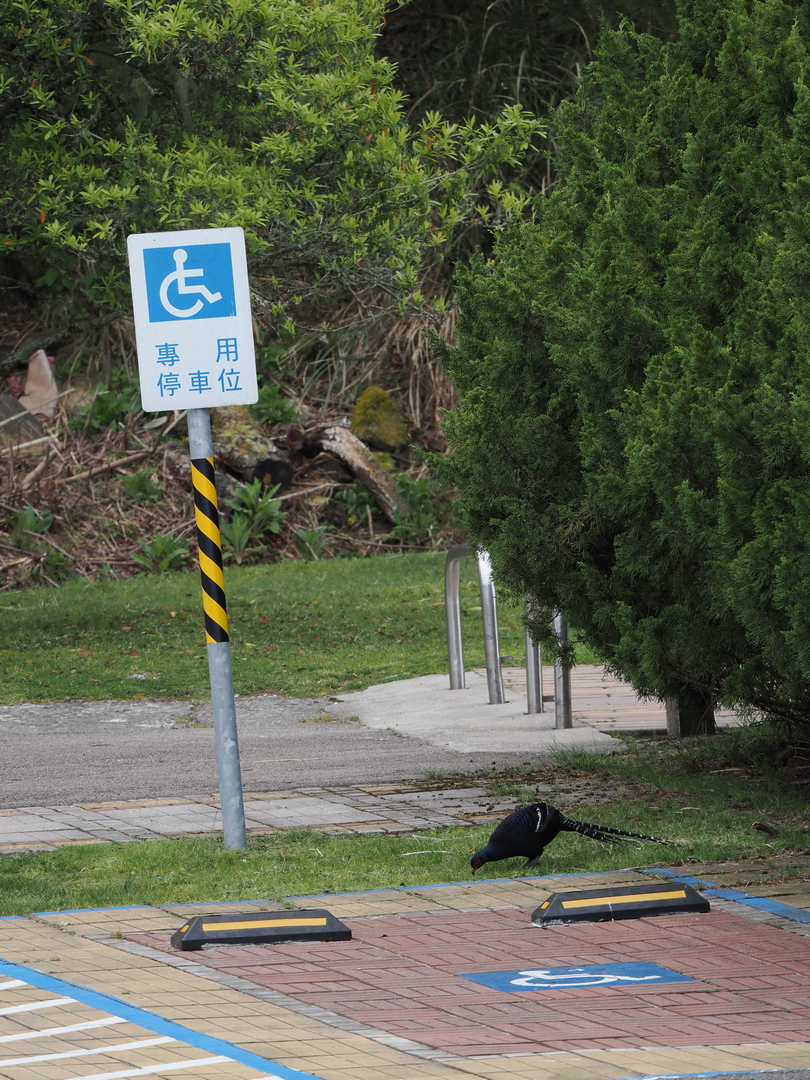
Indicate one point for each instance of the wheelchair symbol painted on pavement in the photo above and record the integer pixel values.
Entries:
(545, 978)
(571, 978)
(189, 282)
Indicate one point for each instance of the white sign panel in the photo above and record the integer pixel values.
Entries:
(193, 324)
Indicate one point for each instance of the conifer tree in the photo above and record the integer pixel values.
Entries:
(632, 442)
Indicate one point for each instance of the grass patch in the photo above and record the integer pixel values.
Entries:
(297, 863)
(296, 629)
(707, 796)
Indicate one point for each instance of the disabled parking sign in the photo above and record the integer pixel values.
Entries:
(193, 323)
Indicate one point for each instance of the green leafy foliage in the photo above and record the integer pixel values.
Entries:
(273, 407)
(108, 408)
(358, 500)
(162, 554)
(256, 502)
(632, 438)
(236, 536)
(28, 520)
(466, 57)
(142, 487)
(419, 524)
(312, 540)
(122, 116)
(47, 562)
(255, 512)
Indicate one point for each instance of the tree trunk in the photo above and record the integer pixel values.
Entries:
(691, 713)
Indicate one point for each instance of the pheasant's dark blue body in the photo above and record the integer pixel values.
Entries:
(527, 831)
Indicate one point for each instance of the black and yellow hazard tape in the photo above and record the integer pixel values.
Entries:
(213, 580)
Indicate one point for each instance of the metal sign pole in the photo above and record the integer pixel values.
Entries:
(194, 331)
(216, 628)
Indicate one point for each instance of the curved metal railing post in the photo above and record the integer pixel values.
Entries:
(489, 622)
(452, 614)
(562, 678)
(534, 677)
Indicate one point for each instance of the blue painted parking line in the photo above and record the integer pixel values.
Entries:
(709, 889)
(766, 1074)
(774, 906)
(695, 882)
(220, 1049)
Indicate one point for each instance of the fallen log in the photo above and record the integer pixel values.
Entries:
(339, 441)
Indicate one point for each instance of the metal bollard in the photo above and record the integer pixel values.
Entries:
(489, 620)
(534, 677)
(452, 614)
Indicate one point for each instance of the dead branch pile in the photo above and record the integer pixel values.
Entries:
(72, 504)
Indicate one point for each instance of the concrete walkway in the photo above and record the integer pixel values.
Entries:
(423, 709)
(388, 809)
(426, 708)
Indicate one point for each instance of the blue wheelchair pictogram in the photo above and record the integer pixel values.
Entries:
(189, 282)
(571, 978)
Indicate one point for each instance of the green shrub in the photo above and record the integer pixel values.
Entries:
(142, 487)
(632, 440)
(255, 512)
(312, 540)
(273, 407)
(108, 409)
(146, 116)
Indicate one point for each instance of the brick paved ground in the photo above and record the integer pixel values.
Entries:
(390, 1005)
(391, 808)
(401, 974)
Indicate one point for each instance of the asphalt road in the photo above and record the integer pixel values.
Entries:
(64, 753)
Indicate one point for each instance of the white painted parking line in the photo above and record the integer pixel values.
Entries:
(7, 1062)
(159, 1030)
(32, 1006)
(12, 984)
(62, 1030)
(150, 1070)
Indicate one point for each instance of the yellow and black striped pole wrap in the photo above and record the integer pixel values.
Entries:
(213, 581)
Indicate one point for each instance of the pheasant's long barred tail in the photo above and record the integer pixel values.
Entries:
(605, 833)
